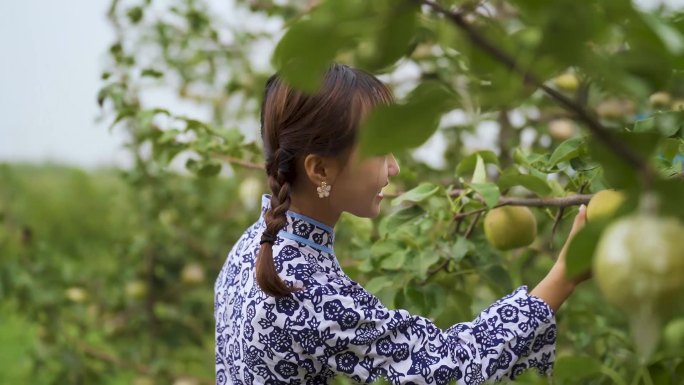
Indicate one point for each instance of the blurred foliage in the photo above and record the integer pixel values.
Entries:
(101, 272)
(108, 276)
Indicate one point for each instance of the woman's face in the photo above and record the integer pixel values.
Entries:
(357, 189)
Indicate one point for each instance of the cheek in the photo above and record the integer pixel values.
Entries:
(357, 189)
(374, 172)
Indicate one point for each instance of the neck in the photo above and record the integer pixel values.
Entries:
(314, 207)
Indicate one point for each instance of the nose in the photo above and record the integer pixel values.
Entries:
(393, 166)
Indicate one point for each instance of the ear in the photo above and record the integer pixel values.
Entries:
(318, 169)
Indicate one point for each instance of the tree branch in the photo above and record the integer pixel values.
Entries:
(573, 200)
(534, 202)
(239, 162)
(625, 152)
(471, 228)
(506, 133)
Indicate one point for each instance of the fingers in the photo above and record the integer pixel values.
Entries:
(580, 219)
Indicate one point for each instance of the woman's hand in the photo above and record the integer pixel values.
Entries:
(580, 221)
(556, 287)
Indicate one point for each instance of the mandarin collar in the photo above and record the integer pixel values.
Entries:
(303, 229)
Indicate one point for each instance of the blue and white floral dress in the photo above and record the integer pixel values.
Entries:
(334, 326)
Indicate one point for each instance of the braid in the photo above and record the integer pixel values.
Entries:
(279, 171)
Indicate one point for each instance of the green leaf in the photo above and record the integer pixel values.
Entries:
(210, 168)
(672, 39)
(378, 283)
(583, 163)
(380, 31)
(135, 14)
(460, 248)
(561, 38)
(469, 162)
(126, 113)
(168, 136)
(382, 248)
(395, 28)
(566, 150)
(498, 278)
(669, 148)
(152, 73)
(402, 126)
(458, 306)
(660, 373)
(533, 183)
(423, 261)
(195, 125)
(665, 123)
(480, 173)
(581, 249)
(396, 219)
(520, 157)
(616, 170)
(426, 300)
(645, 125)
(394, 261)
(366, 266)
(297, 61)
(575, 368)
(679, 371)
(203, 168)
(417, 194)
(489, 191)
(670, 193)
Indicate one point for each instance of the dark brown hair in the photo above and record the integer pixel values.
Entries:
(295, 124)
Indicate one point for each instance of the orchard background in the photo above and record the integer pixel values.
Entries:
(107, 277)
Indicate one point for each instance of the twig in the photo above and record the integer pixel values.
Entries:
(434, 271)
(444, 264)
(556, 221)
(457, 226)
(573, 200)
(470, 229)
(239, 162)
(630, 156)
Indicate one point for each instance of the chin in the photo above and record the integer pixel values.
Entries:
(374, 210)
(371, 212)
(374, 214)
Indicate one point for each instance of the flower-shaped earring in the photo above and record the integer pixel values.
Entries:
(323, 190)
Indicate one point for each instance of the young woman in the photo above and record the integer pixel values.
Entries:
(285, 311)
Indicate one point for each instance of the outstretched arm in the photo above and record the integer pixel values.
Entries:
(555, 288)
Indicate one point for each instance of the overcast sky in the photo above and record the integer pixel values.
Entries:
(52, 56)
(53, 52)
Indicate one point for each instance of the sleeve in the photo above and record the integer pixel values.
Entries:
(351, 332)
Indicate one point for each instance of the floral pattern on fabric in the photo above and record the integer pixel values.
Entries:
(333, 326)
